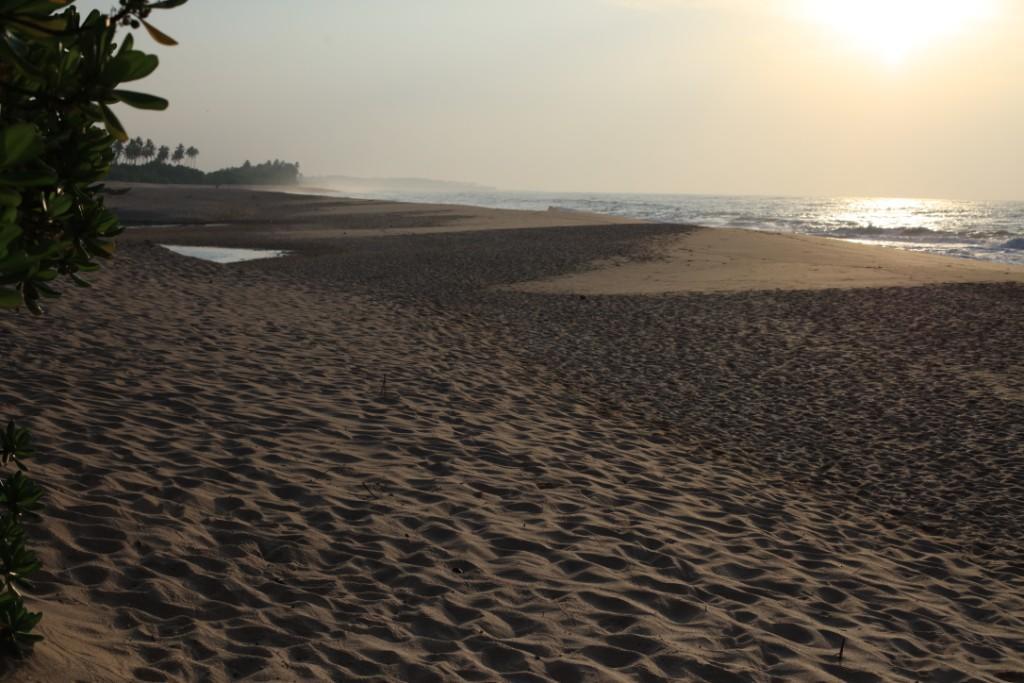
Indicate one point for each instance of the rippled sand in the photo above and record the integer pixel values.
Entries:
(369, 460)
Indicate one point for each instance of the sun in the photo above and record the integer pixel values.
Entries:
(893, 30)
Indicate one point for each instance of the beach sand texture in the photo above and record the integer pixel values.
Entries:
(734, 260)
(373, 460)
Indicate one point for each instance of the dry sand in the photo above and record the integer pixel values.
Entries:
(732, 260)
(369, 461)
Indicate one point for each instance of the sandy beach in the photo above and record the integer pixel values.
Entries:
(442, 443)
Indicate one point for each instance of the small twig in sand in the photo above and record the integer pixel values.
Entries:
(370, 491)
(842, 648)
(383, 386)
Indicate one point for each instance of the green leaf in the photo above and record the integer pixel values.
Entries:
(45, 275)
(10, 298)
(130, 65)
(100, 248)
(8, 233)
(58, 205)
(42, 8)
(113, 124)
(35, 174)
(141, 100)
(107, 224)
(16, 264)
(44, 28)
(9, 197)
(12, 50)
(19, 143)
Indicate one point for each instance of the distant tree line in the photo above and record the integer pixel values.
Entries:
(274, 172)
(142, 161)
(135, 150)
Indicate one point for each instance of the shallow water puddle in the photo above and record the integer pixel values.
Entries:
(224, 254)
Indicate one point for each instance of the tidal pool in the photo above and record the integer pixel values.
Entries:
(224, 254)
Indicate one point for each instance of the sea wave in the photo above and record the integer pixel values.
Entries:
(918, 234)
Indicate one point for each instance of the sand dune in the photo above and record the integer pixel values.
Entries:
(369, 461)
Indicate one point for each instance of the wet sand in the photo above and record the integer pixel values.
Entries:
(372, 460)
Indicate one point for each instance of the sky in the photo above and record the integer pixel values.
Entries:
(896, 98)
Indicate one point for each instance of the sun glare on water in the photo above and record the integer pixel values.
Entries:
(893, 30)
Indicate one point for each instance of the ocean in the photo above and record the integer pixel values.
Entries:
(988, 230)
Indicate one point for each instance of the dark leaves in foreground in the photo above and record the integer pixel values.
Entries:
(16, 626)
(60, 73)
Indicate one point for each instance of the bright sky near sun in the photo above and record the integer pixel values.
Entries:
(796, 97)
(894, 31)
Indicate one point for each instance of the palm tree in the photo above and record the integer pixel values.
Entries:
(133, 150)
(163, 154)
(149, 150)
(118, 149)
(192, 153)
(179, 154)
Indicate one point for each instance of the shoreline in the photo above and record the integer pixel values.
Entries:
(899, 242)
(700, 259)
(986, 239)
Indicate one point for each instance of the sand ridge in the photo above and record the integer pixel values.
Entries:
(367, 461)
